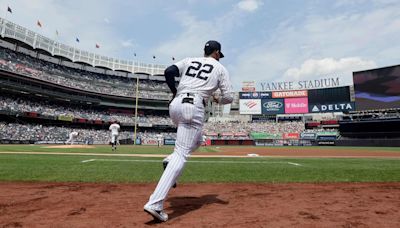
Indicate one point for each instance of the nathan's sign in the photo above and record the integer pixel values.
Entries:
(285, 94)
(248, 86)
(302, 85)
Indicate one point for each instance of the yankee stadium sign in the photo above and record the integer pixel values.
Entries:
(302, 85)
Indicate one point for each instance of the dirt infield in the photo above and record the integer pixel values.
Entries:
(29, 204)
(201, 205)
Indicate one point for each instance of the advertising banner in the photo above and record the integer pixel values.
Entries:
(332, 107)
(291, 136)
(296, 105)
(254, 95)
(273, 106)
(141, 124)
(149, 141)
(308, 135)
(248, 86)
(65, 118)
(327, 133)
(250, 106)
(169, 141)
(286, 94)
(263, 135)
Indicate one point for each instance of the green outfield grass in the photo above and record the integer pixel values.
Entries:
(110, 169)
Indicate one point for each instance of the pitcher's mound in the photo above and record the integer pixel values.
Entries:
(70, 146)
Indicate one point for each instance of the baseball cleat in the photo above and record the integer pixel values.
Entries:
(165, 163)
(157, 215)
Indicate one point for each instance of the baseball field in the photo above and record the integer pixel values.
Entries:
(89, 186)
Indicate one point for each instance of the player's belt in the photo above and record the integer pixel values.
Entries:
(190, 99)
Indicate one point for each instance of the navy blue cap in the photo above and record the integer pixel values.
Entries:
(212, 46)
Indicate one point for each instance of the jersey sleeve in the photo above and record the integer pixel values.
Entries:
(226, 88)
(181, 65)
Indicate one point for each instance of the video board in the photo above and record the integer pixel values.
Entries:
(377, 88)
(296, 101)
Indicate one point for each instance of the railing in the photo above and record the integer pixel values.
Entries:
(36, 41)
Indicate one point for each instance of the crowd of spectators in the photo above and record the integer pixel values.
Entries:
(37, 132)
(20, 105)
(373, 115)
(231, 130)
(240, 130)
(80, 79)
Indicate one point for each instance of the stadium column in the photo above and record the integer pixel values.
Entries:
(137, 98)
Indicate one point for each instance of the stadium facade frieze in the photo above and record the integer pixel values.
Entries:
(303, 85)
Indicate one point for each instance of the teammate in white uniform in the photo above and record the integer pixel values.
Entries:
(204, 140)
(200, 77)
(159, 139)
(114, 128)
(72, 136)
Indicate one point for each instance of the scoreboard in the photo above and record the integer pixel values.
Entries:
(296, 101)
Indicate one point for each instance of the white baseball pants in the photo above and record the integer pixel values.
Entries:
(189, 119)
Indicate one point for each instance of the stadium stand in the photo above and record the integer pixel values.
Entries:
(54, 134)
(19, 105)
(80, 79)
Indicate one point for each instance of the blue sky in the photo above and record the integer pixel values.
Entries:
(263, 41)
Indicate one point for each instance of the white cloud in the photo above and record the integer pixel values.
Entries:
(370, 36)
(312, 68)
(195, 33)
(249, 5)
(106, 20)
(127, 43)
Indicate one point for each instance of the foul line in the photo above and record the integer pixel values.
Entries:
(224, 162)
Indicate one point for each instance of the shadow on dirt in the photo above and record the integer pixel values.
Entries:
(183, 205)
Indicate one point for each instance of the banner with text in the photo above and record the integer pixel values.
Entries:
(296, 105)
(248, 86)
(332, 107)
(286, 94)
(250, 106)
(273, 106)
(291, 135)
(254, 95)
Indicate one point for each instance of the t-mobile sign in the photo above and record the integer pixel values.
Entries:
(296, 105)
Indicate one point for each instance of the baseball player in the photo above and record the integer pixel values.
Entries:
(204, 140)
(114, 128)
(72, 136)
(159, 139)
(200, 77)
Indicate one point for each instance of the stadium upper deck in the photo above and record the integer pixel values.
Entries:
(36, 41)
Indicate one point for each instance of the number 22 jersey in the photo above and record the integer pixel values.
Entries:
(204, 75)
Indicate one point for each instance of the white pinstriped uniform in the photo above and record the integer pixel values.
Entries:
(114, 128)
(200, 77)
(72, 136)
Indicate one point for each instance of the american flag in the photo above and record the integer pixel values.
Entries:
(250, 104)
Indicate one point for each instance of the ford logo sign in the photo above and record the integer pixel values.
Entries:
(273, 105)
